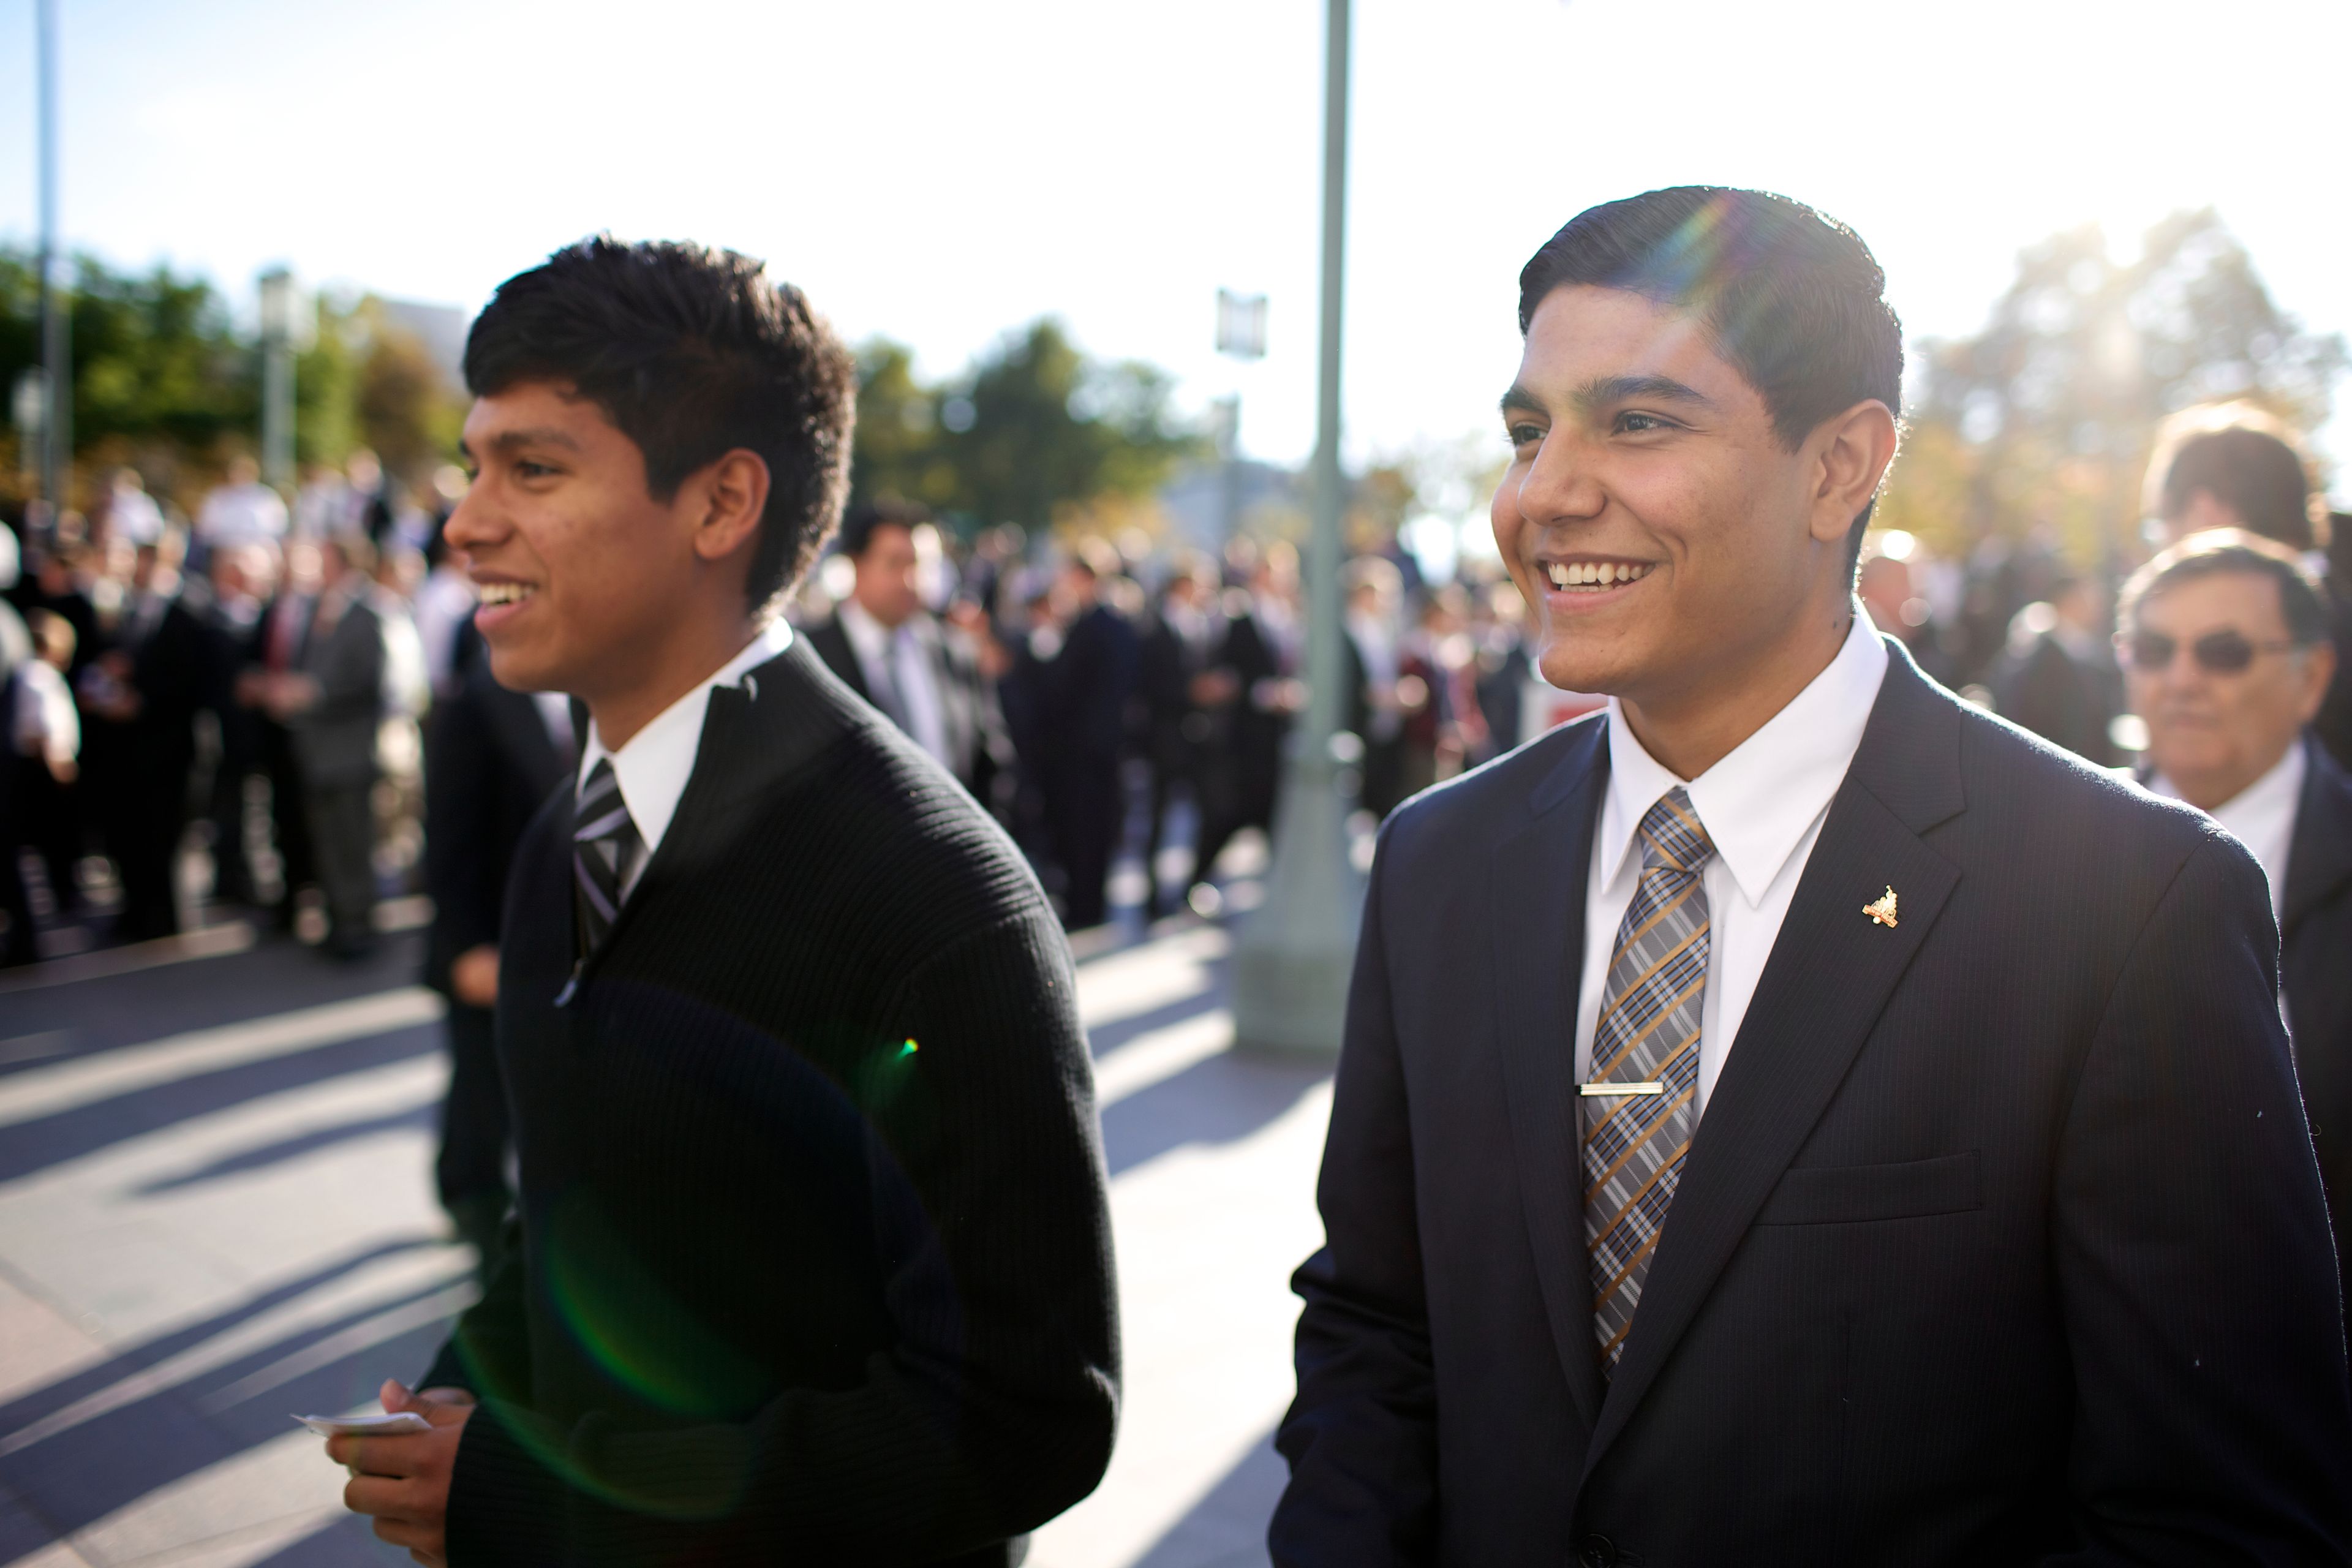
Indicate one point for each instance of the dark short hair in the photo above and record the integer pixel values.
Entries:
(1792, 299)
(2242, 458)
(856, 535)
(2219, 550)
(691, 353)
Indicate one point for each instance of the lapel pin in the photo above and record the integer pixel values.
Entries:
(1882, 910)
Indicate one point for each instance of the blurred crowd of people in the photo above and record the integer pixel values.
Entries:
(258, 684)
(247, 683)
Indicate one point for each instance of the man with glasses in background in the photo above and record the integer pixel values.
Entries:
(2227, 657)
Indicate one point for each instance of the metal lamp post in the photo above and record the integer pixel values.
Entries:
(1241, 336)
(1293, 956)
(278, 378)
(56, 425)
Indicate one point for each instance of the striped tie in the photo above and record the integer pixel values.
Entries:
(1647, 1035)
(604, 844)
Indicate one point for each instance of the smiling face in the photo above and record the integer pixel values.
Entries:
(1669, 545)
(581, 571)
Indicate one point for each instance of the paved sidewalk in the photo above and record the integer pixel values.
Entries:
(215, 1208)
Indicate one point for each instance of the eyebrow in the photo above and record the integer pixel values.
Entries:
(1603, 390)
(508, 440)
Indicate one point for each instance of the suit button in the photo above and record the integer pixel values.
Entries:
(1597, 1551)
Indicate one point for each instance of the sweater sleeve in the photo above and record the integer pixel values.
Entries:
(992, 1410)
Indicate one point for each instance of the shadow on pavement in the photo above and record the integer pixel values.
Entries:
(119, 1010)
(267, 1154)
(1226, 1529)
(72, 1477)
(1219, 1101)
(47, 1141)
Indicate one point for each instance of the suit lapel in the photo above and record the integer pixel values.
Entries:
(2319, 861)
(1832, 970)
(1539, 873)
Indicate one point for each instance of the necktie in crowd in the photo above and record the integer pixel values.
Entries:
(1640, 1099)
(605, 844)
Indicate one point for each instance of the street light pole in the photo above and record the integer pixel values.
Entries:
(1293, 958)
(278, 379)
(56, 428)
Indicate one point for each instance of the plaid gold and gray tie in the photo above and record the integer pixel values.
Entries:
(604, 842)
(1638, 1102)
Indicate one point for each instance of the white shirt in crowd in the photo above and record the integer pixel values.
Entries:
(44, 724)
(131, 513)
(2261, 817)
(653, 767)
(241, 514)
(900, 660)
(1763, 806)
(445, 602)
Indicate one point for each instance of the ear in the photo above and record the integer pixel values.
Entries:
(1853, 450)
(725, 501)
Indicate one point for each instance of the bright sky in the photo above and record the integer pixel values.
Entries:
(943, 171)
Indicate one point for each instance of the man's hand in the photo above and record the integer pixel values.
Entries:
(474, 976)
(403, 1481)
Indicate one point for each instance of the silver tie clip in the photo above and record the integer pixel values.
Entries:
(1615, 1088)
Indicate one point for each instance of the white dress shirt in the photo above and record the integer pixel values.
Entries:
(1763, 806)
(2261, 817)
(897, 659)
(653, 767)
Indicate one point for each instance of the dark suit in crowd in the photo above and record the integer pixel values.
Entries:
(1082, 731)
(138, 769)
(1175, 653)
(275, 648)
(1246, 766)
(2315, 977)
(1999, 1241)
(980, 754)
(814, 1258)
(2066, 696)
(490, 763)
(335, 752)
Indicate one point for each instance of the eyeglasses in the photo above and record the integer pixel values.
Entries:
(2216, 653)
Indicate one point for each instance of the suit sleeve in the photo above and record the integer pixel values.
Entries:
(2195, 1269)
(1362, 1434)
(993, 1408)
(464, 868)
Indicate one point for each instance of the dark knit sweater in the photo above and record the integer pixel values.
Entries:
(814, 1262)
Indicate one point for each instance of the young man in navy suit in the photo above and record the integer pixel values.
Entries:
(1792, 1116)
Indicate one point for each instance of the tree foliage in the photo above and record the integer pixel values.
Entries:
(1035, 432)
(165, 377)
(2044, 418)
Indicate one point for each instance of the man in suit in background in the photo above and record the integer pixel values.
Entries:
(492, 757)
(142, 695)
(1083, 730)
(278, 637)
(924, 677)
(1792, 1116)
(2058, 676)
(2226, 649)
(1177, 686)
(812, 1259)
(332, 704)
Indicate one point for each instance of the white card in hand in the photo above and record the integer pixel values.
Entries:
(367, 1426)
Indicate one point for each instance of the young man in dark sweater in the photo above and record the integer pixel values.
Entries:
(814, 1259)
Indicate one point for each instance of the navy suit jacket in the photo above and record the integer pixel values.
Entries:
(2001, 1240)
(2315, 977)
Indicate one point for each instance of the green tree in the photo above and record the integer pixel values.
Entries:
(1034, 432)
(2046, 416)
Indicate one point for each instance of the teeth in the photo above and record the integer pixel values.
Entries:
(1594, 575)
(504, 592)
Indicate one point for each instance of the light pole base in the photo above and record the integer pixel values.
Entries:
(1294, 955)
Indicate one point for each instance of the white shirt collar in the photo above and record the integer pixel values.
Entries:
(1757, 801)
(653, 767)
(2260, 816)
